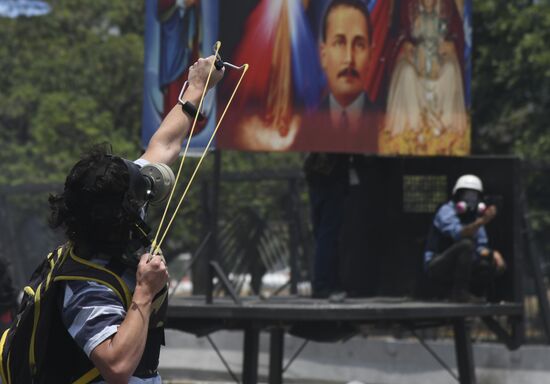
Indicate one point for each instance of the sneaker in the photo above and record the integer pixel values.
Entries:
(332, 296)
(337, 297)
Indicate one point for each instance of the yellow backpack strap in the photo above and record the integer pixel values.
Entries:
(5, 379)
(55, 258)
(76, 268)
(88, 376)
(36, 318)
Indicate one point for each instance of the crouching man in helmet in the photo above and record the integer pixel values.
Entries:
(458, 255)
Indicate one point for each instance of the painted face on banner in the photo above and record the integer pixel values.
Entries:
(345, 53)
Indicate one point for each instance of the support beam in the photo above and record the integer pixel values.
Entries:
(276, 355)
(251, 352)
(464, 352)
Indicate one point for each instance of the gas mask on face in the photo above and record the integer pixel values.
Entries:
(469, 205)
(148, 185)
(106, 198)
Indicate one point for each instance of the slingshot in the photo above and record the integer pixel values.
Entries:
(219, 64)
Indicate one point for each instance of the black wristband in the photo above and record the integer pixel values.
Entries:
(191, 110)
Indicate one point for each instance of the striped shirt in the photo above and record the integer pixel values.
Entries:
(93, 312)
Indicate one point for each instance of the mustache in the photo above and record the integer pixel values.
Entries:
(348, 72)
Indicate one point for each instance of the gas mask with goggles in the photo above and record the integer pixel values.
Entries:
(148, 185)
(109, 209)
(467, 197)
(469, 205)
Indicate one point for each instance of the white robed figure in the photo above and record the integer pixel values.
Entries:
(426, 93)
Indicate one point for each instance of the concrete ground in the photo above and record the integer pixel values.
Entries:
(188, 359)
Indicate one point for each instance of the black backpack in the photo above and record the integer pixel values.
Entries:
(37, 348)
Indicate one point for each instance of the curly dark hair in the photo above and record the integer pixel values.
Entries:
(91, 205)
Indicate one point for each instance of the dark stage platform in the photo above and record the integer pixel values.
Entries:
(295, 309)
(381, 253)
(322, 320)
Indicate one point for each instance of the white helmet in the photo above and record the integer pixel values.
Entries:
(468, 182)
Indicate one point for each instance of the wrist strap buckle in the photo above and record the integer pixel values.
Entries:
(187, 106)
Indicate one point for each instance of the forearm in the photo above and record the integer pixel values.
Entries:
(118, 358)
(471, 229)
(165, 145)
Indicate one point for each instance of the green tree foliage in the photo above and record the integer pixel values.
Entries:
(69, 79)
(511, 93)
(511, 77)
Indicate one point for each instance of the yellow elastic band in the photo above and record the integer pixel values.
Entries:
(200, 161)
(88, 376)
(154, 244)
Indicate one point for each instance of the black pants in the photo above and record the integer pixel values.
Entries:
(327, 214)
(455, 269)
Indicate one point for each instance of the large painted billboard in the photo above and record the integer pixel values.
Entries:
(378, 76)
